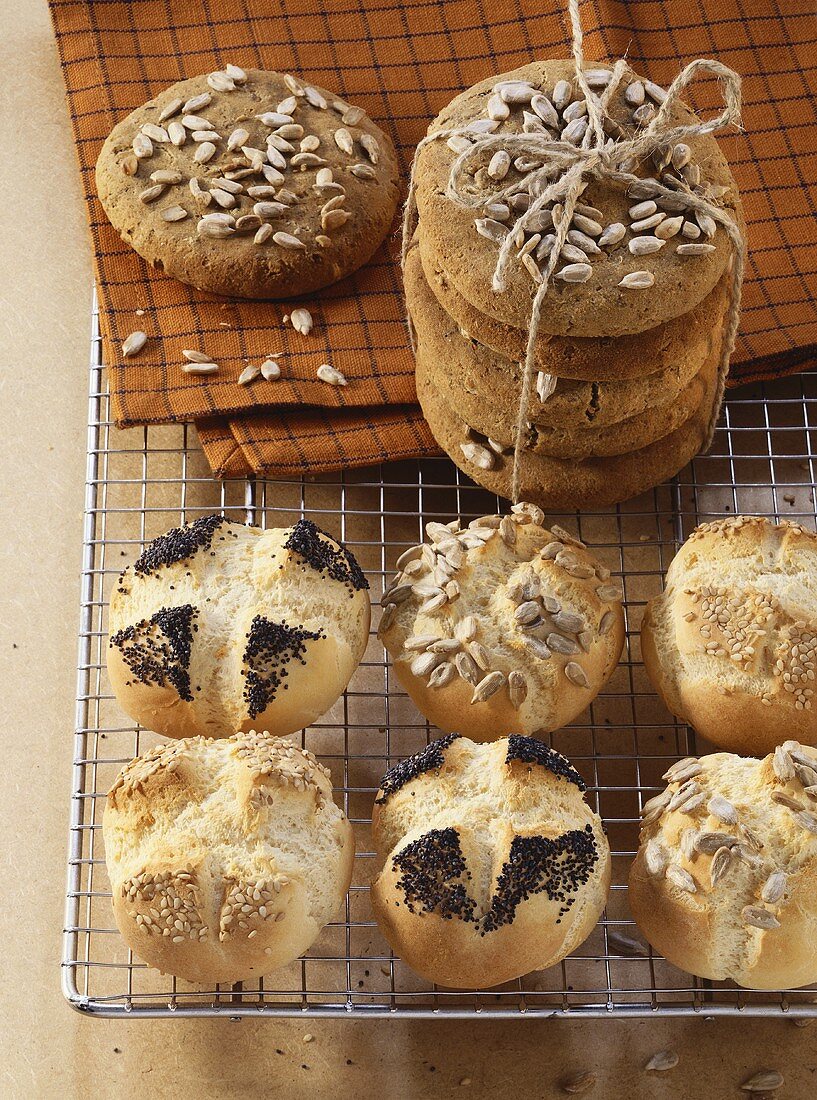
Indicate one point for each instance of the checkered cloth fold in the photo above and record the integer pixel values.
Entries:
(403, 60)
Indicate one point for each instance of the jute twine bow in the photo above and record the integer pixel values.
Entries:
(598, 157)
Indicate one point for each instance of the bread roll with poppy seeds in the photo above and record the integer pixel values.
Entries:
(493, 864)
(226, 857)
(731, 642)
(724, 884)
(218, 626)
(506, 626)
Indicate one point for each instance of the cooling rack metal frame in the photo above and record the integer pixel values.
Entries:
(142, 481)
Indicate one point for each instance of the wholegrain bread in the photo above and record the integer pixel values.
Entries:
(250, 220)
(724, 884)
(226, 858)
(218, 626)
(731, 642)
(493, 864)
(506, 626)
(600, 306)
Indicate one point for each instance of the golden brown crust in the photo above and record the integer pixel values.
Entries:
(226, 858)
(730, 643)
(238, 266)
(485, 822)
(600, 306)
(723, 884)
(549, 667)
(242, 631)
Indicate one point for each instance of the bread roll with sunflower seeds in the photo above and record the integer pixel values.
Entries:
(724, 884)
(226, 858)
(218, 627)
(505, 626)
(731, 642)
(493, 864)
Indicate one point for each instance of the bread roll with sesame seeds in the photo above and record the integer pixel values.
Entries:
(493, 864)
(724, 884)
(226, 857)
(731, 642)
(219, 626)
(506, 626)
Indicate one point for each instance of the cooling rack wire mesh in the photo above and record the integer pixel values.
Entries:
(142, 481)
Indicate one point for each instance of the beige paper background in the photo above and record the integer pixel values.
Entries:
(46, 1050)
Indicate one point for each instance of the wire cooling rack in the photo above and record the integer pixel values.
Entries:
(142, 481)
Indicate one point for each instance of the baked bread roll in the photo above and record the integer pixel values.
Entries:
(731, 643)
(226, 858)
(725, 881)
(506, 626)
(219, 627)
(493, 863)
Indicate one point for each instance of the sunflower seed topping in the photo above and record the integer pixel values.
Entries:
(638, 280)
(287, 240)
(579, 1083)
(655, 857)
(756, 917)
(694, 249)
(443, 674)
(709, 843)
(424, 663)
(489, 685)
(722, 809)
(174, 214)
(142, 146)
(774, 887)
(478, 455)
(576, 674)
(721, 862)
(783, 799)
(681, 878)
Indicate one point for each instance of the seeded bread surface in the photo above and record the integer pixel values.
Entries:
(219, 626)
(548, 668)
(493, 864)
(226, 858)
(567, 484)
(594, 359)
(237, 265)
(724, 884)
(598, 307)
(577, 420)
(731, 642)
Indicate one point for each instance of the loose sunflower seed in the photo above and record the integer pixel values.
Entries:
(480, 456)
(330, 374)
(489, 685)
(756, 917)
(200, 368)
(193, 356)
(767, 1080)
(301, 320)
(662, 1061)
(270, 370)
(249, 374)
(581, 1082)
(133, 344)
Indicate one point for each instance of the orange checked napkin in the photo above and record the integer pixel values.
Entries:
(402, 62)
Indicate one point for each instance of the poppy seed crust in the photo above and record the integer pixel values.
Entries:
(270, 648)
(431, 758)
(310, 544)
(157, 650)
